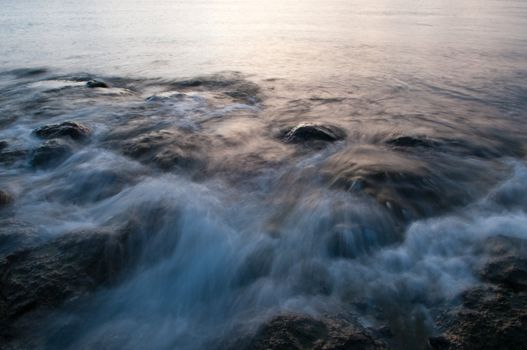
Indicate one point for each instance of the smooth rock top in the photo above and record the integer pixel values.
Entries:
(306, 132)
(96, 84)
(74, 130)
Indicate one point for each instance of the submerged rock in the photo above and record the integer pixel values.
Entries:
(28, 72)
(51, 153)
(73, 130)
(412, 141)
(232, 85)
(307, 132)
(9, 156)
(5, 198)
(167, 149)
(96, 84)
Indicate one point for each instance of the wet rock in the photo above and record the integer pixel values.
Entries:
(96, 84)
(73, 130)
(508, 272)
(66, 267)
(407, 185)
(167, 149)
(15, 235)
(298, 332)
(489, 319)
(412, 141)
(493, 316)
(307, 132)
(232, 85)
(5, 198)
(9, 156)
(439, 342)
(51, 153)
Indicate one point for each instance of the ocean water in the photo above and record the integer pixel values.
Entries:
(236, 224)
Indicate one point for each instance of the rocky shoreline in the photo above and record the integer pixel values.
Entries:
(215, 129)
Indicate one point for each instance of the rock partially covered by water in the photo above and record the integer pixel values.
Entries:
(168, 149)
(299, 332)
(96, 84)
(5, 198)
(54, 272)
(73, 130)
(412, 141)
(15, 235)
(493, 316)
(308, 132)
(9, 156)
(51, 153)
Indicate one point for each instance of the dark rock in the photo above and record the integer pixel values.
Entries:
(51, 153)
(10, 156)
(307, 132)
(508, 272)
(412, 141)
(5, 198)
(73, 130)
(439, 343)
(298, 332)
(490, 319)
(50, 274)
(96, 84)
(494, 316)
(15, 235)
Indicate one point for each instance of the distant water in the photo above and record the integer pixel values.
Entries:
(237, 224)
(329, 42)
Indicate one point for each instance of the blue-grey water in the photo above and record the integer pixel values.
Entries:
(236, 225)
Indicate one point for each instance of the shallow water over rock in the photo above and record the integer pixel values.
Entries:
(178, 218)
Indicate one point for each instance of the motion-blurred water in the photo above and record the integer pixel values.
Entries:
(237, 225)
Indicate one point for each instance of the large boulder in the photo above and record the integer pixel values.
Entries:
(73, 130)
